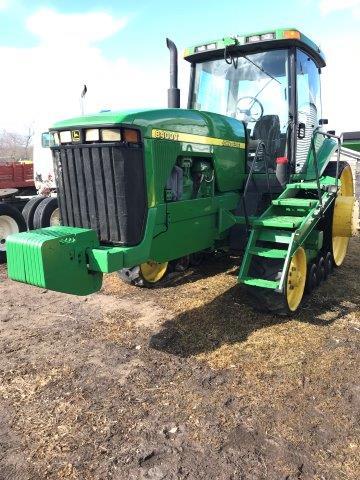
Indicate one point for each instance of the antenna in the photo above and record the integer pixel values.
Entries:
(82, 99)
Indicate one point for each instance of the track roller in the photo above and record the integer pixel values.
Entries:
(328, 264)
(320, 270)
(288, 300)
(312, 278)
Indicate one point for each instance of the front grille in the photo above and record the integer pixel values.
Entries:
(102, 187)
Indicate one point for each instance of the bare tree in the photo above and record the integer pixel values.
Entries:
(14, 146)
(28, 138)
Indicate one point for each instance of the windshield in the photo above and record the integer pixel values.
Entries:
(252, 88)
(248, 89)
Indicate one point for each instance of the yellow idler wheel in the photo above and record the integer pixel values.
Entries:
(153, 272)
(346, 179)
(296, 278)
(343, 217)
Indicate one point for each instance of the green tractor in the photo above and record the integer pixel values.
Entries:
(351, 140)
(246, 167)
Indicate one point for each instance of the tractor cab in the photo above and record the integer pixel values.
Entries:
(271, 82)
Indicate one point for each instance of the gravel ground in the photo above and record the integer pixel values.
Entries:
(182, 382)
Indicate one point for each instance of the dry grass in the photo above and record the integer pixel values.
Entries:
(246, 395)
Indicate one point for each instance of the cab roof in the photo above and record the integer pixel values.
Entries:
(253, 42)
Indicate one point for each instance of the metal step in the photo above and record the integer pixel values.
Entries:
(260, 282)
(268, 252)
(275, 236)
(305, 185)
(295, 202)
(278, 221)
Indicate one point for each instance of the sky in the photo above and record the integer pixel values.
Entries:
(50, 48)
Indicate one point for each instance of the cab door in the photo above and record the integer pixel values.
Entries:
(308, 100)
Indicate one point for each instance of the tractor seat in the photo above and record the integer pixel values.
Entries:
(267, 129)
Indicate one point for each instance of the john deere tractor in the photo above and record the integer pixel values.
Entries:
(246, 167)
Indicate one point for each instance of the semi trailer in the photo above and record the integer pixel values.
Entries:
(42, 209)
(28, 193)
(247, 167)
(16, 182)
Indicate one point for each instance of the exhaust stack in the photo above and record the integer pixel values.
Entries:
(173, 91)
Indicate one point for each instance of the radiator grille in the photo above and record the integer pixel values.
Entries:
(102, 187)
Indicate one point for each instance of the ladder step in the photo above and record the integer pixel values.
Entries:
(295, 202)
(268, 252)
(278, 221)
(275, 236)
(305, 185)
(260, 282)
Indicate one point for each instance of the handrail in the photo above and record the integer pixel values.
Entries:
(260, 144)
(316, 171)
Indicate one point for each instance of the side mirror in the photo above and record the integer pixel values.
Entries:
(331, 132)
(323, 121)
(45, 139)
(301, 131)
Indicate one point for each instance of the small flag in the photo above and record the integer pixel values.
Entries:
(83, 93)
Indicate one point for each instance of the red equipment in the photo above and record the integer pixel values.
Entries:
(16, 175)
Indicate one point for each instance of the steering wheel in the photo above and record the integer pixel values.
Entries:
(249, 114)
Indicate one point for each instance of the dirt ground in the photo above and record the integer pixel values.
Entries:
(183, 382)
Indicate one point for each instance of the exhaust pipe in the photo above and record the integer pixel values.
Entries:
(173, 91)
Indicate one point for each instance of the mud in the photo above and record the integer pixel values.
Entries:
(183, 382)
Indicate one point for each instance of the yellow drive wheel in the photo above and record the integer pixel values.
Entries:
(153, 272)
(296, 278)
(342, 222)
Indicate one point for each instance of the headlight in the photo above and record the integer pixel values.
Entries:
(260, 38)
(92, 135)
(65, 137)
(267, 36)
(203, 48)
(254, 38)
(110, 135)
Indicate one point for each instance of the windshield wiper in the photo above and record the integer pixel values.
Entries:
(263, 88)
(261, 68)
(266, 73)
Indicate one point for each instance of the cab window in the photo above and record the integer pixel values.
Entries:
(308, 105)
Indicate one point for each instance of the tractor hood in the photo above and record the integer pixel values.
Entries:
(170, 119)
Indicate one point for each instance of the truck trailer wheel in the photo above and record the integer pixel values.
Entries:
(11, 221)
(47, 213)
(29, 210)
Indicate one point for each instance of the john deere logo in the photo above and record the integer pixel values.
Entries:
(75, 135)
